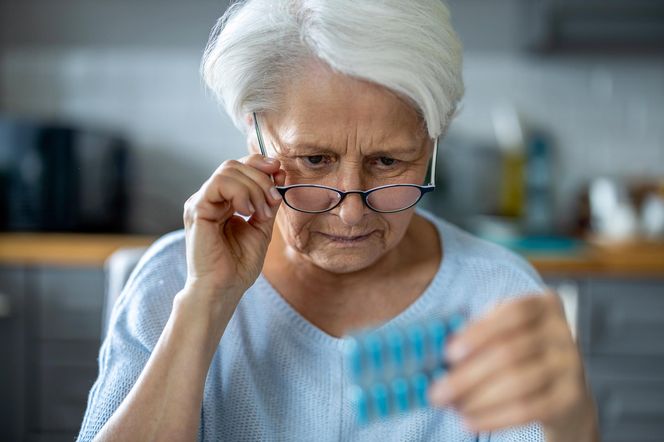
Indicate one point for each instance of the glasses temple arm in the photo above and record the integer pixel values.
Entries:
(432, 172)
(259, 136)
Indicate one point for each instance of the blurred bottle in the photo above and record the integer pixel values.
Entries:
(526, 189)
(510, 136)
(539, 185)
(512, 191)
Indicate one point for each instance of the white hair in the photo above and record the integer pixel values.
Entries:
(408, 47)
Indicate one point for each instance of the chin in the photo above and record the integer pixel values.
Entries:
(349, 262)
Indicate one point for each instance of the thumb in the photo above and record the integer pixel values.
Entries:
(267, 225)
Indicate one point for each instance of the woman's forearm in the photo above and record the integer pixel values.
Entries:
(165, 401)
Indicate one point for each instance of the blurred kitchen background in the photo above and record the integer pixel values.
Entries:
(106, 129)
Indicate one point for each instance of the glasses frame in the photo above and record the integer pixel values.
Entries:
(363, 193)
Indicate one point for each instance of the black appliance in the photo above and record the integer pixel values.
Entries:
(58, 178)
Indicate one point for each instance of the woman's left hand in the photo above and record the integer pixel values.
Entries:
(516, 365)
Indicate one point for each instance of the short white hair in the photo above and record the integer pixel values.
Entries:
(408, 47)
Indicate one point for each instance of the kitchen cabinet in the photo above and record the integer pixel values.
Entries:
(620, 330)
(624, 329)
(51, 300)
(52, 332)
(12, 347)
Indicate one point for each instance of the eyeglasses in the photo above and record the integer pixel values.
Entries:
(315, 198)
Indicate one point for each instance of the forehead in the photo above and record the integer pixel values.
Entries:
(321, 108)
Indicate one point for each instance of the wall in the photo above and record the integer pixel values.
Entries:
(153, 97)
(133, 66)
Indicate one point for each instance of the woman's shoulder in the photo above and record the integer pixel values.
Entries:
(145, 302)
(476, 273)
(166, 254)
(465, 249)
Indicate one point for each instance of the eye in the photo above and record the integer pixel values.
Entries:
(387, 161)
(315, 159)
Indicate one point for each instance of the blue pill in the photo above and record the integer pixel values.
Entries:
(359, 400)
(380, 400)
(354, 358)
(437, 373)
(416, 339)
(374, 346)
(437, 333)
(400, 392)
(420, 384)
(395, 344)
(456, 322)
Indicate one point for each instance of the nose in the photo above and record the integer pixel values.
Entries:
(351, 209)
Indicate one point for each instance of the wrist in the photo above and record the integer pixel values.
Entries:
(211, 292)
(204, 314)
(580, 426)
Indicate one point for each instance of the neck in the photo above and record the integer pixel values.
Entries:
(337, 302)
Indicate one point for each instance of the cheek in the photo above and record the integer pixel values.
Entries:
(294, 227)
(397, 224)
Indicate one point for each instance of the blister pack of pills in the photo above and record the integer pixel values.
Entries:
(390, 369)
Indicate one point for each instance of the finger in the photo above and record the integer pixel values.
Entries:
(266, 165)
(256, 193)
(259, 187)
(197, 208)
(262, 170)
(506, 318)
(475, 372)
(514, 383)
(257, 161)
(224, 186)
(264, 217)
(542, 406)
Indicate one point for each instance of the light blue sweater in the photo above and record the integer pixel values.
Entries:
(277, 377)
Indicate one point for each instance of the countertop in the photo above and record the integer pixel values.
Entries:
(638, 259)
(629, 260)
(64, 249)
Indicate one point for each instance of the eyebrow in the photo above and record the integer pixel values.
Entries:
(307, 148)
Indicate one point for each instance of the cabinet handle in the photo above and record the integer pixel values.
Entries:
(5, 306)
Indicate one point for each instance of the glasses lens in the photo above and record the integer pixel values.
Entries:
(311, 199)
(392, 199)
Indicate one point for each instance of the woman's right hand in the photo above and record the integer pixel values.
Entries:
(225, 253)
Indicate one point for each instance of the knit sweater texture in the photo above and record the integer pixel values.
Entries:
(277, 377)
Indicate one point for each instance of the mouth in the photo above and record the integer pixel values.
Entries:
(347, 239)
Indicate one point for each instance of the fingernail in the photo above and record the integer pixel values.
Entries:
(456, 351)
(270, 160)
(441, 393)
(267, 211)
(275, 193)
(251, 208)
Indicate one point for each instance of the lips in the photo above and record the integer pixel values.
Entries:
(345, 238)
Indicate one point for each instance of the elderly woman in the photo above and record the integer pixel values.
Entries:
(233, 329)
